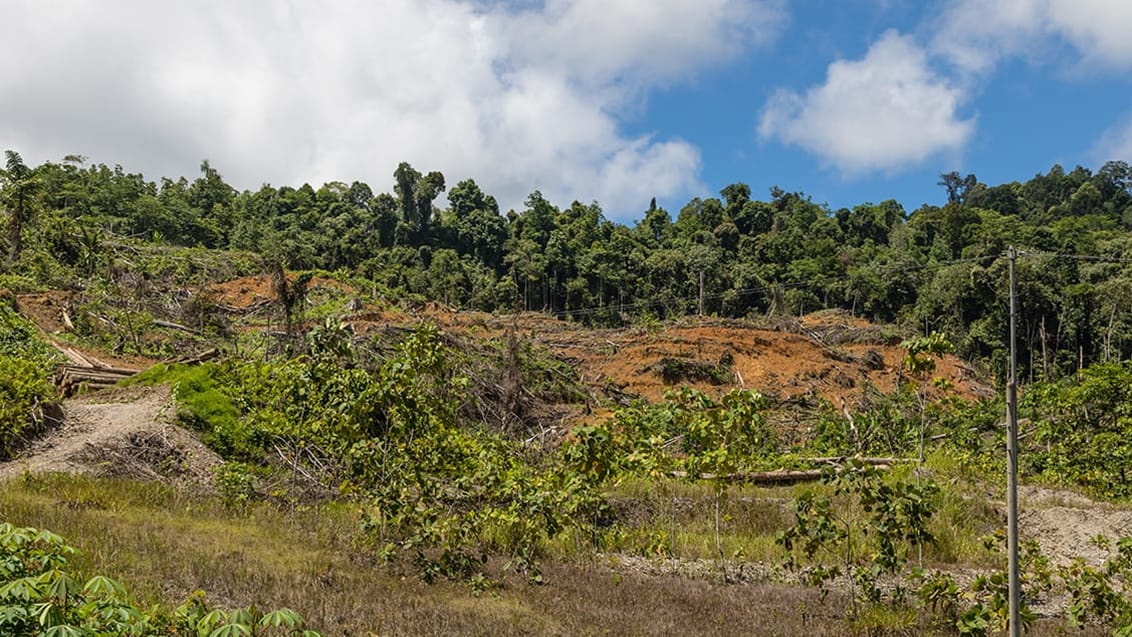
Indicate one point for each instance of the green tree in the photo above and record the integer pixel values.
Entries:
(18, 193)
(416, 194)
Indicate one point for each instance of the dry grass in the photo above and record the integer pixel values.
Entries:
(164, 543)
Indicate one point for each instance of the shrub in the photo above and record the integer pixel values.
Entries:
(25, 395)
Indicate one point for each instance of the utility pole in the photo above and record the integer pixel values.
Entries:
(1012, 461)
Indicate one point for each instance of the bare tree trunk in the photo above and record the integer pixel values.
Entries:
(1045, 349)
(1108, 334)
(701, 292)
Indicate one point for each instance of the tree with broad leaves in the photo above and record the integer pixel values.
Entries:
(17, 194)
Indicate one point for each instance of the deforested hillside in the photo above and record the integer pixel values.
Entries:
(528, 423)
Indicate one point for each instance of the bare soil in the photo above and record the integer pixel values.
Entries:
(1065, 523)
(122, 433)
(248, 291)
(829, 355)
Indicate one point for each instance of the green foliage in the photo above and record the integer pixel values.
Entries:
(981, 607)
(785, 255)
(864, 535)
(206, 397)
(1101, 595)
(889, 426)
(679, 370)
(922, 352)
(19, 338)
(1084, 430)
(442, 496)
(689, 433)
(40, 595)
(25, 391)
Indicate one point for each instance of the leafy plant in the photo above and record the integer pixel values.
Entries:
(922, 351)
(40, 595)
(864, 537)
(25, 396)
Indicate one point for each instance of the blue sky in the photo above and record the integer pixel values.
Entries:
(1031, 110)
(614, 101)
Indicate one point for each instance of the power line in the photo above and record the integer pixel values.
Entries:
(1076, 257)
(741, 292)
(773, 287)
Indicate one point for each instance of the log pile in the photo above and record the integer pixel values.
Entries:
(85, 370)
(70, 378)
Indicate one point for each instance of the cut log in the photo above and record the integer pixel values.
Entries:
(759, 477)
(872, 462)
(174, 326)
(777, 477)
(70, 377)
(74, 356)
(197, 359)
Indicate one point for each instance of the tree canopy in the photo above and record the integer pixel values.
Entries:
(937, 268)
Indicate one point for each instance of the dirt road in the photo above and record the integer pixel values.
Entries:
(120, 432)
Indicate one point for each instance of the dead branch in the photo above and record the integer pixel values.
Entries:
(175, 326)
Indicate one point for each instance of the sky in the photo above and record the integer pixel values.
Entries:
(613, 101)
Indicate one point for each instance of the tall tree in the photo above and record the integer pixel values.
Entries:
(17, 195)
(957, 187)
(416, 193)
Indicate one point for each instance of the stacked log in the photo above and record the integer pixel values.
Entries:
(85, 370)
(70, 378)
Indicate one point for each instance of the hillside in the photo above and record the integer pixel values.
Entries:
(828, 355)
(753, 400)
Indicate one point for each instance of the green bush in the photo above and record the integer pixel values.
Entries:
(39, 595)
(25, 393)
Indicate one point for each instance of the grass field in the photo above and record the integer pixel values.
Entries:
(164, 543)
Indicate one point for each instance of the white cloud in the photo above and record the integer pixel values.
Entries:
(1098, 28)
(517, 96)
(1116, 143)
(976, 34)
(595, 41)
(883, 112)
(1083, 37)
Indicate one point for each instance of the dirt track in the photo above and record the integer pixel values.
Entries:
(126, 432)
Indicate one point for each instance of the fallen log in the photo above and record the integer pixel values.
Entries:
(74, 356)
(175, 326)
(197, 359)
(779, 477)
(872, 462)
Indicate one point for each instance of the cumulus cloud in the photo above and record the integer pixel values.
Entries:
(884, 112)
(1116, 143)
(976, 34)
(518, 95)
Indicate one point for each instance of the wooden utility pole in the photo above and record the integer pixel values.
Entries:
(1015, 592)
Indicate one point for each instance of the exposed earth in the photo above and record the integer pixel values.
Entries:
(831, 355)
(121, 433)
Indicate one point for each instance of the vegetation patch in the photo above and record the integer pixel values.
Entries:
(675, 371)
